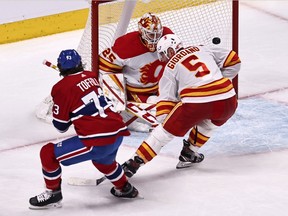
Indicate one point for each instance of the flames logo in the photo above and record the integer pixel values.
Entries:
(146, 22)
(152, 72)
(150, 22)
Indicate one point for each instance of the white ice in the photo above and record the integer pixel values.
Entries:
(245, 169)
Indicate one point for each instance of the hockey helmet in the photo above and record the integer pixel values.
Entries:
(171, 41)
(151, 30)
(68, 59)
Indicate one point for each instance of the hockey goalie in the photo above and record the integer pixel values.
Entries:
(134, 55)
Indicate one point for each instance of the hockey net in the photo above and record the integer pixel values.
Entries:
(195, 22)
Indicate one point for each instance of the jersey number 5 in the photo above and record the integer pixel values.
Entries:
(199, 67)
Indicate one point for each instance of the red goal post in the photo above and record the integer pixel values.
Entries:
(195, 21)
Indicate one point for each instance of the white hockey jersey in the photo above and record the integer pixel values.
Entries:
(141, 68)
(197, 74)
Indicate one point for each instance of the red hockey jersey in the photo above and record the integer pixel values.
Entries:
(79, 100)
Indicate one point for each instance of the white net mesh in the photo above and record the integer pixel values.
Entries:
(195, 22)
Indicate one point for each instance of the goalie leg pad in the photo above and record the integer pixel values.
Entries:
(43, 110)
(138, 124)
(113, 86)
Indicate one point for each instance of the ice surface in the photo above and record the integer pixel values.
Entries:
(245, 166)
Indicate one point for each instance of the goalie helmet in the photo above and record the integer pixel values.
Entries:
(151, 30)
(166, 43)
(69, 61)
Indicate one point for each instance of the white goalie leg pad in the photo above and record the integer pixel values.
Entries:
(43, 111)
(137, 125)
(114, 88)
(158, 138)
(152, 99)
(146, 106)
(140, 126)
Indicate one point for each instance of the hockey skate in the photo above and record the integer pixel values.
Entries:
(128, 191)
(131, 166)
(188, 157)
(47, 199)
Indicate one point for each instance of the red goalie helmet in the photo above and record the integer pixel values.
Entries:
(151, 30)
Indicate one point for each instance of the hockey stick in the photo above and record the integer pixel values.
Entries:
(135, 109)
(75, 181)
(49, 64)
(135, 117)
(130, 106)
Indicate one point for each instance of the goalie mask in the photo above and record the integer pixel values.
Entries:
(166, 44)
(151, 30)
(69, 62)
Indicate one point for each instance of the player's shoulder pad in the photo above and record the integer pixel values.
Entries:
(129, 45)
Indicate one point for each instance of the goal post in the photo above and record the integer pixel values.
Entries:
(235, 36)
(194, 21)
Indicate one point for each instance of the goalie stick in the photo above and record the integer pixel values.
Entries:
(135, 109)
(130, 106)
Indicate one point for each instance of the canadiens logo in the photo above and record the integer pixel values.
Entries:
(152, 72)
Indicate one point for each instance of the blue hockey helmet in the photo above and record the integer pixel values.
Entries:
(68, 59)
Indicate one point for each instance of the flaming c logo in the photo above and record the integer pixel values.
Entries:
(145, 22)
(150, 23)
(152, 72)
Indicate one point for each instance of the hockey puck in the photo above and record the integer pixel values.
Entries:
(216, 40)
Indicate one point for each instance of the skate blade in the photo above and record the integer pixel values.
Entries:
(52, 205)
(182, 165)
(119, 196)
(139, 196)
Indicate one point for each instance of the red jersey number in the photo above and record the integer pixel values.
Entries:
(199, 68)
(109, 55)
